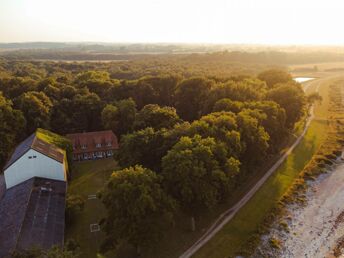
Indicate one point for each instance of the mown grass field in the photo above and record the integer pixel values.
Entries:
(87, 179)
(230, 239)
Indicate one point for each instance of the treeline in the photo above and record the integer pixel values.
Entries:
(190, 157)
(74, 52)
(185, 142)
(131, 68)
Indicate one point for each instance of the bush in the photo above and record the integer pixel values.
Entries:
(275, 243)
(74, 205)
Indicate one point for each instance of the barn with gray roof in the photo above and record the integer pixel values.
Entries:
(32, 208)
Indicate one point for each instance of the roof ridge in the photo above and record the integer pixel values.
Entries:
(11, 160)
(34, 139)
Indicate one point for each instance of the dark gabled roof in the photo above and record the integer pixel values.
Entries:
(22, 148)
(12, 213)
(32, 214)
(33, 142)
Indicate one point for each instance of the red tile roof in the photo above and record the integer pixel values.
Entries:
(90, 140)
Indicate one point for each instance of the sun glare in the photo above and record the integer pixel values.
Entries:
(219, 21)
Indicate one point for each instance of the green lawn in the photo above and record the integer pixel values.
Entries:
(246, 222)
(87, 178)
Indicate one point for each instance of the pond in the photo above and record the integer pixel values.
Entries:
(303, 79)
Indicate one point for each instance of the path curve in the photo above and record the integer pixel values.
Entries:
(226, 216)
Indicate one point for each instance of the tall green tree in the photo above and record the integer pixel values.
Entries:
(254, 139)
(246, 90)
(120, 116)
(157, 117)
(269, 114)
(164, 87)
(138, 209)
(291, 98)
(86, 110)
(221, 126)
(274, 76)
(12, 125)
(145, 147)
(13, 87)
(190, 97)
(36, 107)
(198, 172)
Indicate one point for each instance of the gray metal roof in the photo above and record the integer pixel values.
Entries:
(23, 147)
(32, 214)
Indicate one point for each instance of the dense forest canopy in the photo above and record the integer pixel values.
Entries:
(190, 132)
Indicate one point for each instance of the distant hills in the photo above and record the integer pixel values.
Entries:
(99, 51)
(33, 45)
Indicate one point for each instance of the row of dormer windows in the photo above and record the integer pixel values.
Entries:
(98, 145)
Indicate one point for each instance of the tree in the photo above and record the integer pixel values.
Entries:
(268, 113)
(138, 210)
(190, 96)
(84, 77)
(119, 117)
(254, 139)
(145, 147)
(156, 117)
(314, 97)
(197, 172)
(36, 107)
(96, 81)
(61, 120)
(229, 105)
(12, 124)
(221, 126)
(291, 98)
(164, 88)
(246, 90)
(13, 87)
(52, 92)
(71, 250)
(86, 110)
(68, 92)
(272, 117)
(275, 76)
(74, 205)
(144, 94)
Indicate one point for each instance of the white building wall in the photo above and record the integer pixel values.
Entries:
(41, 166)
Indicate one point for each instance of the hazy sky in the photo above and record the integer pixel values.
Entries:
(205, 21)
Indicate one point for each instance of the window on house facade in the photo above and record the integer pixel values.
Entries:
(84, 146)
(98, 145)
(109, 144)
